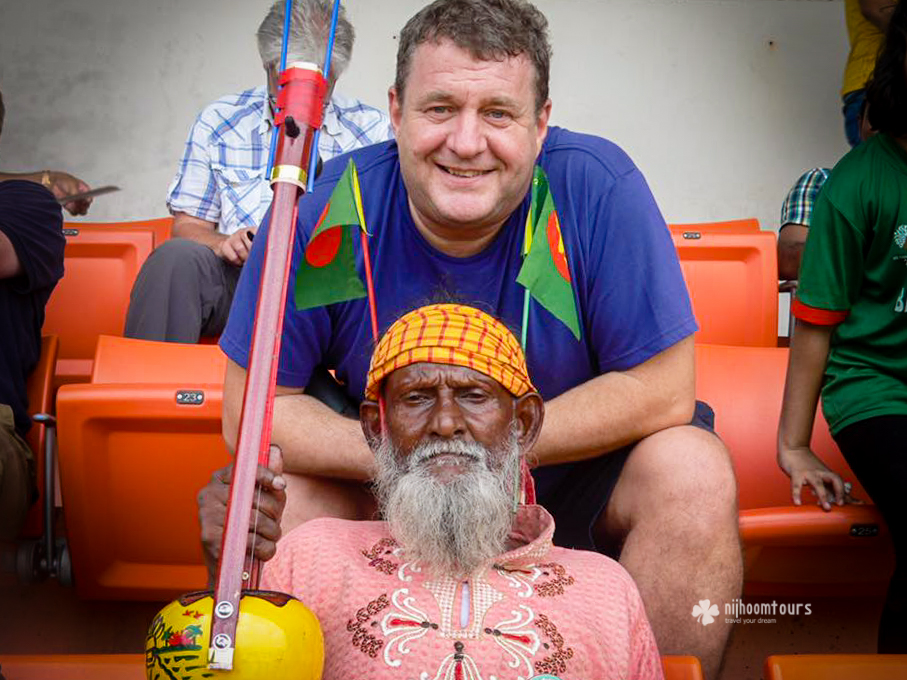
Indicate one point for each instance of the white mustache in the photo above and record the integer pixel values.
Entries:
(425, 451)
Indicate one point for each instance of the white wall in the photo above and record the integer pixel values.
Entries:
(722, 103)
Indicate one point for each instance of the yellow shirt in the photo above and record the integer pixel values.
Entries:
(865, 41)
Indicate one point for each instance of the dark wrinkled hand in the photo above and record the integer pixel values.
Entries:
(62, 184)
(267, 509)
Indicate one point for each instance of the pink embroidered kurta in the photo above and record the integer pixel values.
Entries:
(537, 610)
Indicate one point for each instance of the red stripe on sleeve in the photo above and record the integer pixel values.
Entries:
(820, 317)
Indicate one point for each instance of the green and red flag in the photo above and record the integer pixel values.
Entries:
(545, 273)
(327, 273)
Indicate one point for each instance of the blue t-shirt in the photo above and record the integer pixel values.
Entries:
(630, 294)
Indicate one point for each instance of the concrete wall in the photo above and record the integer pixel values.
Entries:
(722, 103)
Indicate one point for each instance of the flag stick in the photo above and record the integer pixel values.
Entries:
(313, 161)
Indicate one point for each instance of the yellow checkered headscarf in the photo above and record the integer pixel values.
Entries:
(451, 334)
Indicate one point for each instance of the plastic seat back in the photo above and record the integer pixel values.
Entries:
(100, 265)
(789, 548)
(732, 278)
(40, 400)
(136, 445)
(681, 668)
(745, 225)
(73, 666)
(836, 667)
(160, 228)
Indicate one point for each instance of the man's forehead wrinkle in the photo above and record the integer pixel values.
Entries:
(439, 96)
(471, 70)
(418, 375)
(432, 375)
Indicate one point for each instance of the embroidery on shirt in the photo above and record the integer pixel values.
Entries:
(377, 556)
(517, 638)
(556, 663)
(404, 624)
(365, 641)
(457, 666)
(482, 598)
(521, 578)
(556, 585)
(408, 566)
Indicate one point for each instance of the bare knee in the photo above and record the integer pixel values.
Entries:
(678, 478)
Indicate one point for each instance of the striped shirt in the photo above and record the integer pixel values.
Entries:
(221, 175)
(798, 206)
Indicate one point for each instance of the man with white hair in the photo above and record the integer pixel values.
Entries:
(220, 194)
(459, 581)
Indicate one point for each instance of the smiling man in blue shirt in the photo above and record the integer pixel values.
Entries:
(626, 461)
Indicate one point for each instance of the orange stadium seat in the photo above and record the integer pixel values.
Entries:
(732, 277)
(681, 668)
(40, 401)
(745, 225)
(836, 667)
(160, 228)
(136, 445)
(73, 666)
(39, 553)
(132, 667)
(789, 549)
(101, 262)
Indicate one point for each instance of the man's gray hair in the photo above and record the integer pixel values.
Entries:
(310, 27)
(487, 29)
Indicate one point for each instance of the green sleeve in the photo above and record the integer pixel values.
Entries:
(831, 271)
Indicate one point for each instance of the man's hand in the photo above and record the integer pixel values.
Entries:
(804, 467)
(62, 184)
(235, 248)
(267, 509)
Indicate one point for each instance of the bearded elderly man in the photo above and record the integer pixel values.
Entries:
(621, 463)
(459, 582)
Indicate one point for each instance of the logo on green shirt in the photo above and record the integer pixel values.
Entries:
(900, 235)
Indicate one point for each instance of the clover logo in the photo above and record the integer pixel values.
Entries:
(900, 236)
(705, 612)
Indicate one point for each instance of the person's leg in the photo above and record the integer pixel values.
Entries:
(16, 477)
(182, 291)
(853, 105)
(874, 449)
(674, 509)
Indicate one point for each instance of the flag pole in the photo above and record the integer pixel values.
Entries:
(522, 466)
(313, 161)
(369, 284)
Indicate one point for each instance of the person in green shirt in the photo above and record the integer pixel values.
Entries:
(851, 331)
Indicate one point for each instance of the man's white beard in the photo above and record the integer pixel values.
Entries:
(452, 527)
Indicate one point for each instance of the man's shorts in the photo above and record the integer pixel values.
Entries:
(577, 493)
(16, 463)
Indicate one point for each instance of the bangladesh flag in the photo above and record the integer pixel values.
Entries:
(545, 273)
(327, 273)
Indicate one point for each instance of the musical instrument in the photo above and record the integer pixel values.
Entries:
(238, 631)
